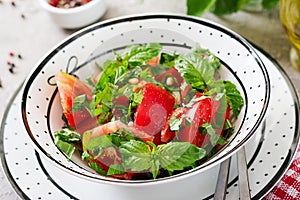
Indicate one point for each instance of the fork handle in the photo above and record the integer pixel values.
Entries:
(243, 175)
(220, 191)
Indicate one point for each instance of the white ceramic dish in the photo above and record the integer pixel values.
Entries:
(78, 17)
(33, 177)
(41, 108)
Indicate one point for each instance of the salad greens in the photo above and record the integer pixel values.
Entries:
(157, 113)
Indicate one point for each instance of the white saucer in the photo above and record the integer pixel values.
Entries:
(269, 153)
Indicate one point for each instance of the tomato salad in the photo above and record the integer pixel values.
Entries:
(148, 114)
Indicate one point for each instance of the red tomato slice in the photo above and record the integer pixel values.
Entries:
(166, 134)
(112, 127)
(196, 116)
(69, 88)
(120, 101)
(154, 110)
(109, 156)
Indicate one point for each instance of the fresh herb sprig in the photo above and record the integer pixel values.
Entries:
(113, 74)
(138, 156)
(198, 70)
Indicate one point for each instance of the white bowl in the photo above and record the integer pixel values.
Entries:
(77, 17)
(41, 109)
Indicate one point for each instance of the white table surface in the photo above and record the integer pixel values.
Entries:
(32, 36)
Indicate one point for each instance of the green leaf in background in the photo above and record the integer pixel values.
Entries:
(268, 4)
(198, 7)
(223, 7)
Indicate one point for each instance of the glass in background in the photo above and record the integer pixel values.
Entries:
(290, 19)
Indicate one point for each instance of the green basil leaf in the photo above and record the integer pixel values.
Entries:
(123, 135)
(215, 138)
(175, 123)
(86, 156)
(224, 7)
(112, 70)
(138, 55)
(65, 147)
(97, 168)
(234, 98)
(268, 4)
(220, 121)
(103, 98)
(198, 8)
(211, 58)
(67, 135)
(115, 169)
(103, 141)
(79, 103)
(178, 155)
(167, 61)
(136, 155)
(196, 70)
(155, 168)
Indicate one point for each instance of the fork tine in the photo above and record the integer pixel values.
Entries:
(243, 175)
(220, 191)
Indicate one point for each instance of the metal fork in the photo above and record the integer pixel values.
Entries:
(220, 191)
(244, 190)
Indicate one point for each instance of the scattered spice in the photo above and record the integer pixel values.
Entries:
(11, 54)
(11, 70)
(67, 3)
(19, 56)
(13, 3)
(23, 16)
(0, 83)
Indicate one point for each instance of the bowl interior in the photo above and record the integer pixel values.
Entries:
(78, 54)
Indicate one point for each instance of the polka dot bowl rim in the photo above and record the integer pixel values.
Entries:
(239, 56)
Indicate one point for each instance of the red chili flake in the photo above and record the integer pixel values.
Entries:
(8, 62)
(11, 54)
